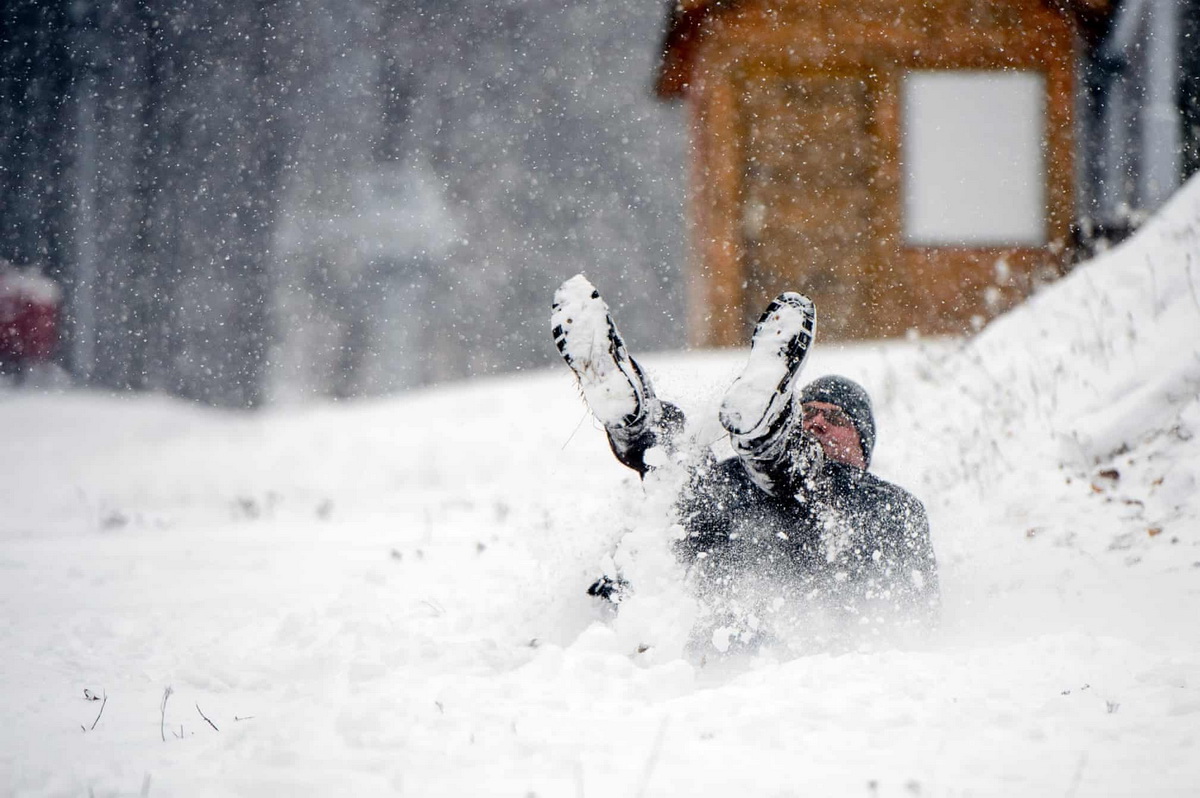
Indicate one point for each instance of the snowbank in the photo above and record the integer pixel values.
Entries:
(1073, 421)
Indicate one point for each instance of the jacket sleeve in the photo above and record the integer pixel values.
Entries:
(886, 555)
(706, 506)
(918, 586)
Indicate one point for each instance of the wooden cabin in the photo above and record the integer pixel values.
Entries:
(908, 165)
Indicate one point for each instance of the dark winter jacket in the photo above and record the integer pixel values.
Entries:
(848, 541)
(852, 541)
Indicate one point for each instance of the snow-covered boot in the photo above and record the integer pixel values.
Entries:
(758, 406)
(615, 387)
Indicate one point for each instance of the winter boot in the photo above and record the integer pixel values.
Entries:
(617, 391)
(757, 408)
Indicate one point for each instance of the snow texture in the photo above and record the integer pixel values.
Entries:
(386, 597)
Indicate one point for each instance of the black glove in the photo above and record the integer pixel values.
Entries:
(609, 589)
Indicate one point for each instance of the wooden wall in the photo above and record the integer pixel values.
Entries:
(797, 180)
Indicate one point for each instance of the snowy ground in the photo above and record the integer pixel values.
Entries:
(386, 597)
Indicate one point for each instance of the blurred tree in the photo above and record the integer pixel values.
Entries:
(141, 159)
(35, 76)
(346, 196)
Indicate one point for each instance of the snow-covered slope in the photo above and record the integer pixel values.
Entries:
(386, 597)
(1073, 421)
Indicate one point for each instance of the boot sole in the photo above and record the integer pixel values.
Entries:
(759, 397)
(612, 383)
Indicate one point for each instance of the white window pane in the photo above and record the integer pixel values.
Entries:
(974, 168)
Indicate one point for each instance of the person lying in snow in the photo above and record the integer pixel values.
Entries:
(796, 507)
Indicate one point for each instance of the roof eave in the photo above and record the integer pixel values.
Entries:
(686, 28)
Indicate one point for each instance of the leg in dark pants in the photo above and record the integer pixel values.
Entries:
(661, 427)
(784, 463)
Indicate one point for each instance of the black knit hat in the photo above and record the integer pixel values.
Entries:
(852, 399)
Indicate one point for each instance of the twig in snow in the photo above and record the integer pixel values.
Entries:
(1191, 283)
(248, 717)
(1153, 286)
(210, 723)
(162, 723)
(582, 419)
(102, 703)
(652, 760)
(1083, 758)
(577, 771)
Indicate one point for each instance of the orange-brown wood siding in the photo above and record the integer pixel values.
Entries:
(824, 51)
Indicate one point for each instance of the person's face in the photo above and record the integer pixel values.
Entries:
(834, 429)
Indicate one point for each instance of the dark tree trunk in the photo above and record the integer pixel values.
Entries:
(258, 191)
(35, 77)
